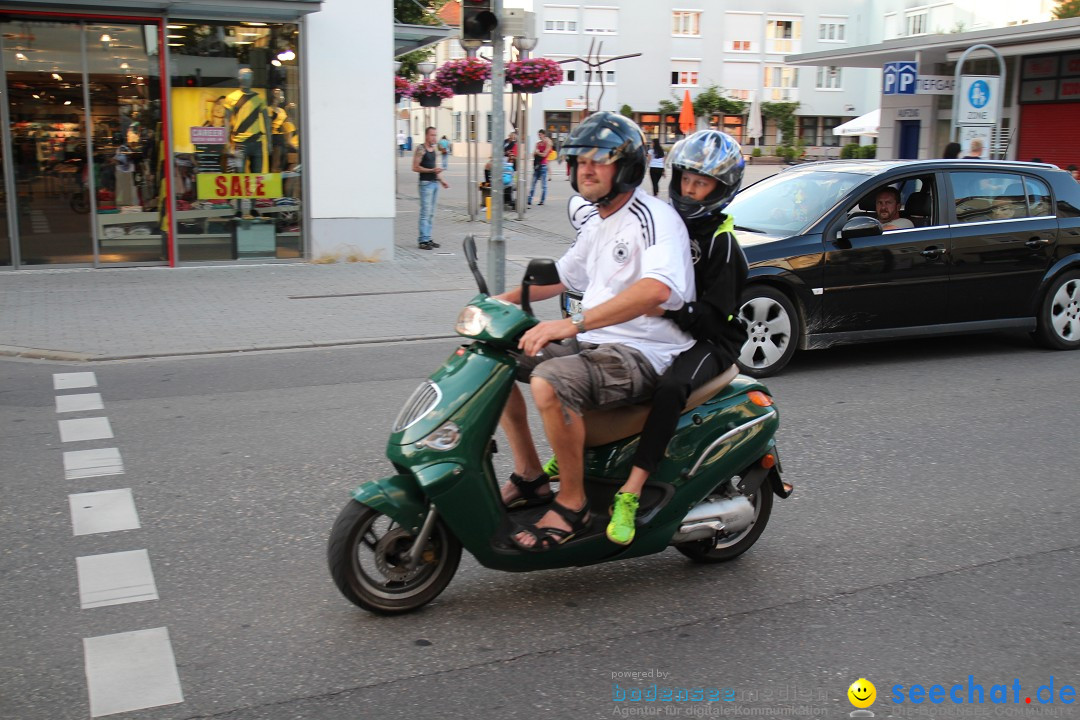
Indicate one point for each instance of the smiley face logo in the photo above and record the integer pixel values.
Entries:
(862, 693)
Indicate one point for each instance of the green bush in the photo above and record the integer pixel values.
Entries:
(756, 152)
(849, 151)
(868, 152)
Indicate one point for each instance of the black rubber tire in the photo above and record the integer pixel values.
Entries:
(772, 341)
(706, 551)
(389, 597)
(1060, 303)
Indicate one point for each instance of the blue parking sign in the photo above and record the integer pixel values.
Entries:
(900, 78)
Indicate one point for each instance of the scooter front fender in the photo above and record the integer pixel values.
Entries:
(399, 497)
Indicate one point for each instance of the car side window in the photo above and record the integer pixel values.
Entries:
(987, 196)
(1038, 196)
(916, 202)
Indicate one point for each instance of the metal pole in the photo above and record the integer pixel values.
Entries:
(497, 246)
(524, 45)
(470, 187)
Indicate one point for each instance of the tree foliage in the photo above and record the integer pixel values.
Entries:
(668, 107)
(627, 111)
(409, 62)
(420, 12)
(783, 113)
(711, 100)
(1067, 9)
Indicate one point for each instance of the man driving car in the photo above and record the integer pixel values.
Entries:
(888, 210)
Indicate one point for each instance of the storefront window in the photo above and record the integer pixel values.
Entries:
(235, 108)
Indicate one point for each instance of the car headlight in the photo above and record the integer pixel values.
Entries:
(472, 321)
(445, 438)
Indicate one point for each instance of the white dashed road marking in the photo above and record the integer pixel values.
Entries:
(82, 429)
(131, 671)
(71, 381)
(115, 579)
(79, 403)
(92, 463)
(104, 511)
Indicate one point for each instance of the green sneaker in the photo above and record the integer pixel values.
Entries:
(551, 467)
(621, 528)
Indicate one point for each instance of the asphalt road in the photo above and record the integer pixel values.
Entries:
(932, 537)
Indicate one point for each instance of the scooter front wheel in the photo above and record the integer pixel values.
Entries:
(368, 557)
(720, 549)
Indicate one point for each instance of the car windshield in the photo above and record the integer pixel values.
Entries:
(787, 203)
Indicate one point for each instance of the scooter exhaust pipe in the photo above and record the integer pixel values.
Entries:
(732, 515)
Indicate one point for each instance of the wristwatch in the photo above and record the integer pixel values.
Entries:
(579, 321)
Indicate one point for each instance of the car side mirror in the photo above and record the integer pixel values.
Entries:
(858, 227)
(541, 271)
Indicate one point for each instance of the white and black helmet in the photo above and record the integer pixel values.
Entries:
(710, 153)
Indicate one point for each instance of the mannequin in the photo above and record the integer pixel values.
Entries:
(246, 118)
(283, 132)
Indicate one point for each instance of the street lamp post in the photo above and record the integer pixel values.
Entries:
(524, 46)
(472, 180)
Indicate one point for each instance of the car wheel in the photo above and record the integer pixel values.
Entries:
(773, 329)
(1059, 315)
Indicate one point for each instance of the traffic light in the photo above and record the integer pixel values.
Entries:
(477, 20)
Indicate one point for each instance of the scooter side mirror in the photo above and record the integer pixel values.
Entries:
(541, 271)
(469, 248)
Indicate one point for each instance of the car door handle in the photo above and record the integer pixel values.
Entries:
(932, 252)
(1037, 241)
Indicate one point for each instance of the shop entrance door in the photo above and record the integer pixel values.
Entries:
(82, 151)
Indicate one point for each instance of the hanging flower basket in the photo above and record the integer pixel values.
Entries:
(402, 88)
(429, 93)
(465, 76)
(533, 75)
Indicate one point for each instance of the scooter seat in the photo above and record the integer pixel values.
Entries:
(611, 424)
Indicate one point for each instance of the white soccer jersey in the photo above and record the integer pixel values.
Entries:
(645, 238)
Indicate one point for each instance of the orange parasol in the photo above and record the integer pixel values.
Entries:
(687, 120)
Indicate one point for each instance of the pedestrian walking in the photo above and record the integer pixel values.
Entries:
(430, 179)
(656, 165)
(540, 166)
(444, 151)
(952, 151)
(401, 144)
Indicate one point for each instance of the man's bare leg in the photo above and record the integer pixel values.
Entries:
(567, 440)
(515, 423)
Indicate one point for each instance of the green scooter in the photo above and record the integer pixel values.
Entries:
(397, 543)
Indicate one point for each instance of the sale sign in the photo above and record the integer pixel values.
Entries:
(222, 186)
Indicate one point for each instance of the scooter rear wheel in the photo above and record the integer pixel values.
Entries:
(366, 555)
(722, 549)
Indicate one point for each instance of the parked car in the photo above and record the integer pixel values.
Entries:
(994, 245)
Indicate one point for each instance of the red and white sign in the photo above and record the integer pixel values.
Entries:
(1038, 90)
(1069, 89)
(1040, 67)
(1070, 65)
(209, 135)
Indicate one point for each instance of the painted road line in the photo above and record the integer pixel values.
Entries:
(79, 403)
(71, 381)
(131, 671)
(115, 579)
(97, 428)
(92, 463)
(104, 511)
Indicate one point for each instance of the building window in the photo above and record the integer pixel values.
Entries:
(594, 77)
(489, 127)
(781, 83)
(686, 22)
(569, 75)
(828, 78)
(740, 45)
(600, 21)
(916, 23)
(808, 130)
(243, 78)
(457, 127)
(783, 36)
(832, 31)
(560, 19)
(829, 138)
(685, 72)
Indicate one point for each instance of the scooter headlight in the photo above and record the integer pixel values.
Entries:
(472, 321)
(445, 438)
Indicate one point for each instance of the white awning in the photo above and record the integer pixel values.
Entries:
(863, 125)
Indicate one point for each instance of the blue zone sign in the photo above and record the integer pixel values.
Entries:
(900, 78)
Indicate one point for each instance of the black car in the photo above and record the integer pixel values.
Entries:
(985, 245)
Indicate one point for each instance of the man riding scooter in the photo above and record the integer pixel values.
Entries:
(630, 258)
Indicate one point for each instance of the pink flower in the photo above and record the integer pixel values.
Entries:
(431, 87)
(465, 70)
(402, 86)
(534, 73)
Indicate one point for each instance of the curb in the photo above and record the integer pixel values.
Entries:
(64, 355)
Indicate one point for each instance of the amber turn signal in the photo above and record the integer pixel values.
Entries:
(759, 398)
(768, 462)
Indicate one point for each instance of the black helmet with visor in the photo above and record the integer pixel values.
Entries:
(607, 138)
(711, 153)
